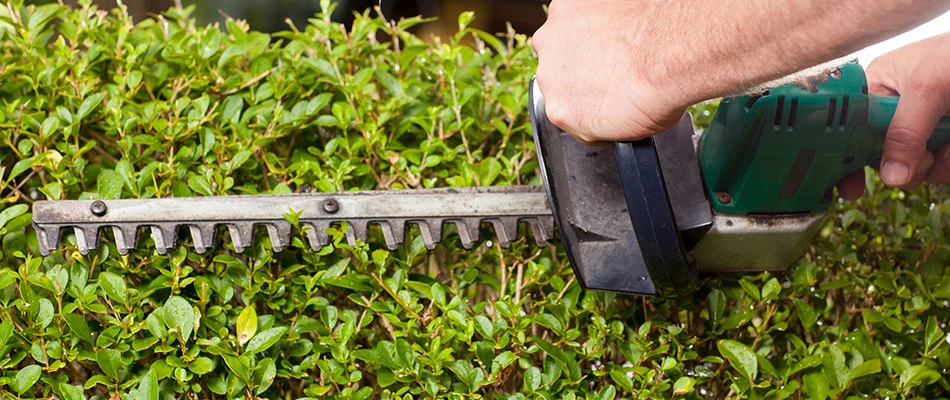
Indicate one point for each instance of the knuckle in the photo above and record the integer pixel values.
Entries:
(904, 139)
(557, 115)
(539, 40)
(922, 87)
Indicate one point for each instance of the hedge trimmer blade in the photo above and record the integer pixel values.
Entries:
(468, 208)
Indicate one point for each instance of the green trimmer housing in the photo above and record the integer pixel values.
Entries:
(783, 151)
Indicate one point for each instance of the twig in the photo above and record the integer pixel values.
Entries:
(393, 295)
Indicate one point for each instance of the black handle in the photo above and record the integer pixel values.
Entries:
(648, 204)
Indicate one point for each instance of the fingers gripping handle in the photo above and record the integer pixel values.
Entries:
(880, 113)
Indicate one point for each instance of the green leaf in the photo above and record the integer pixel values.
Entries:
(465, 18)
(484, 326)
(264, 340)
(12, 212)
(79, 327)
(806, 314)
(716, 305)
(45, 314)
(771, 289)
(231, 111)
(917, 375)
(932, 333)
(246, 324)
(41, 16)
(438, 294)
(232, 52)
(180, 315)
(683, 385)
(322, 66)
(551, 322)
(201, 365)
(607, 393)
(532, 378)
(815, 385)
(6, 331)
(318, 103)
(833, 362)
(201, 185)
(26, 378)
(740, 357)
(488, 170)
(70, 392)
(238, 364)
(89, 104)
(750, 289)
(109, 185)
(7, 278)
(148, 387)
(264, 375)
(109, 361)
(114, 286)
(565, 361)
(238, 159)
(866, 368)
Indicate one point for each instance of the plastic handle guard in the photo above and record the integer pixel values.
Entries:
(651, 213)
(784, 151)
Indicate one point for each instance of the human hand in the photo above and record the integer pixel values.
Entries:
(598, 70)
(918, 73)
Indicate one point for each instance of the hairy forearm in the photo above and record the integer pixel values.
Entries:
(726, 46)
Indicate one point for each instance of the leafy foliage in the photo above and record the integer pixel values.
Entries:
(92, 106)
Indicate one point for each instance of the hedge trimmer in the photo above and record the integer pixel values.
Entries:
(640, 217)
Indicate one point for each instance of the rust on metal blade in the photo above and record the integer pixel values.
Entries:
(391, 210)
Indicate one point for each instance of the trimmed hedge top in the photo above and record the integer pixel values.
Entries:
(94, 106)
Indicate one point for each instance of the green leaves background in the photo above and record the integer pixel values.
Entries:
(92, 106)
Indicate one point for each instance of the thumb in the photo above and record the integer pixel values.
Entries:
(914, 121)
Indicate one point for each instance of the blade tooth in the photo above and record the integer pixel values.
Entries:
(279, 234)
(356, 230)
(125, 236)
(47, 237)
(87, 238)
(317, 234)
(394, 232)
(469, 230)
(430, 229)
(506, 230)
(241, 235)
(164, 236)
(542, 228)
(202, 235)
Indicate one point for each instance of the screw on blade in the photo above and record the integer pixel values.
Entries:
(279, 234)
(125, 236)
(164, 236)
(429, 209)
(202, 235)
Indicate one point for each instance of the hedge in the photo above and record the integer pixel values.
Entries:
(94, 106)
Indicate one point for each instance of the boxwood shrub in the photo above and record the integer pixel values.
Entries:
(93, 105)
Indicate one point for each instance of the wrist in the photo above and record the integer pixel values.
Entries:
(674, 66)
